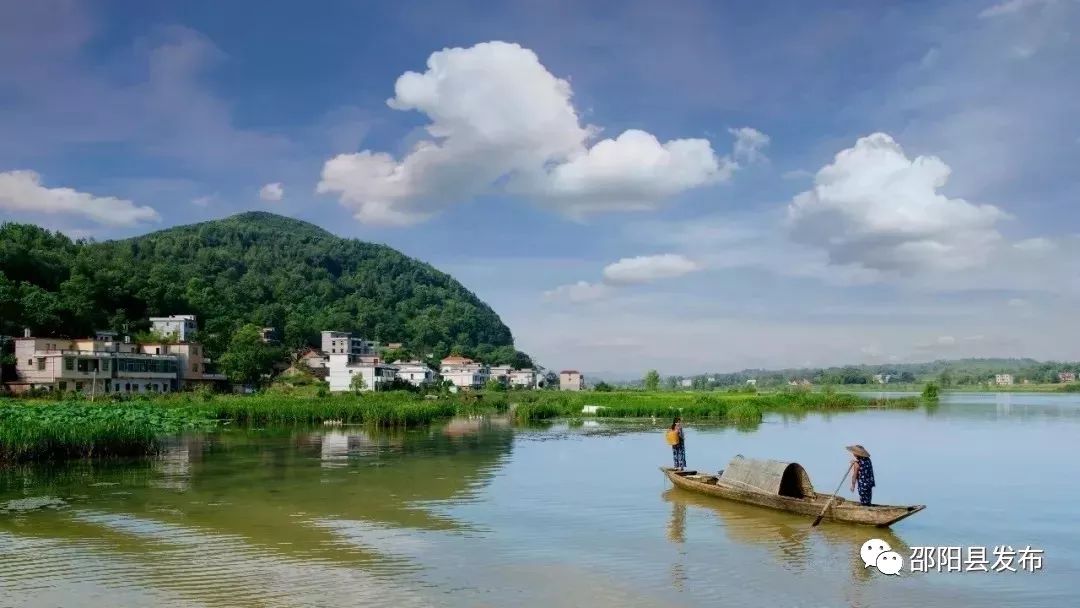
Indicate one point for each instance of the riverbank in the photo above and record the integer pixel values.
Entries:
(42, 430)
(1072, 387)
(730, 407)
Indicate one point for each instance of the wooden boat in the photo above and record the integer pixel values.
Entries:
(784, 486)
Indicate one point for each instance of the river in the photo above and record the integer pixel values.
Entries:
(478, 513)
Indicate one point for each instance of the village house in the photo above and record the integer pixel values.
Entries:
(182, 328)
(343, 343)
(415, 372)
(500, 373)
(523, 378)
(1003, 379)
(571, 380)
(104, 364)
(313, 358)
(343, 367)
(1065, 377)
(464, 373)
(269, 335)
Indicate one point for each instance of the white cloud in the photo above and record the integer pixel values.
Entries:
(625, 272)
(648, 268)
(875, 207)
(1010, 7)
(749, 143)
(272, 192)
(582, 291)
(500, 120)
(23, 191)
(204, 201)
(1035, 245)
(796, 174)
(632, 172)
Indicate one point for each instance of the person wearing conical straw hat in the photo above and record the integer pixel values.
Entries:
(862, 475)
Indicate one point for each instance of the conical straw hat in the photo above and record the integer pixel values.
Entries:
(858, 450)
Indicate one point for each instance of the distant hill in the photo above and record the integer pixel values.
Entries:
(250, 268)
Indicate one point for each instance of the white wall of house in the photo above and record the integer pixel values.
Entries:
(182, 326)
(523, 378)
(468, 377)
(416, 374)
(571, 381)
(343, 368)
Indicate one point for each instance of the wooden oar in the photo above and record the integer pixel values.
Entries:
(829, 504)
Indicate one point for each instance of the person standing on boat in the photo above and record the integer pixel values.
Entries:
(678, 443)
(862, 474)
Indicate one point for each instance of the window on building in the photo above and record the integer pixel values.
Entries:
(63, 386)
(127, 387)
(41, 364)
(78, 387)
(69, 363)
(105, 364)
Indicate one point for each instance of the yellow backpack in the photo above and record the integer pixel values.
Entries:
(672, 437)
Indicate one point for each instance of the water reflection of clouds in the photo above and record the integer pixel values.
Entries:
(215, 569)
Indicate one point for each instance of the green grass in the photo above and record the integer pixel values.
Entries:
(732, 407)
(58, 431)
(35, 430)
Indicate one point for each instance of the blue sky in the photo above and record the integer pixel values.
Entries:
(690, 186)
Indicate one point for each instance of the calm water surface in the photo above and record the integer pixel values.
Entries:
(477, 513)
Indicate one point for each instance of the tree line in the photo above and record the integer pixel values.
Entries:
(255, 269)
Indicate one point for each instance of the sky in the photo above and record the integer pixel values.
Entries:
(689, 186)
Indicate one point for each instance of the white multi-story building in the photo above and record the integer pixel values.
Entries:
(182, 327)
(343, 342)
(414, 372)
(1003, 379)
(464, 373)
(571, 380)
(523, 378)
(344, 367)
(500, 373)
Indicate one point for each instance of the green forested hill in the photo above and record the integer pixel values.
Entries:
(250, 268)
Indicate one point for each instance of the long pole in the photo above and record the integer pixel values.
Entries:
(93, 387)
(829, 504)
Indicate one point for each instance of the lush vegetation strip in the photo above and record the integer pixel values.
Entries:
(734, 407)
(32, 430)
(42, 430)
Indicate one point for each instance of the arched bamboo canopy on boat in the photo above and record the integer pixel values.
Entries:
(769, 477)
(785, 486)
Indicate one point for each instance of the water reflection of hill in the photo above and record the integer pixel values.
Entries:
(273, 488)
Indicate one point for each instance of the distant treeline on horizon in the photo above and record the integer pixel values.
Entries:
(959, 372)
